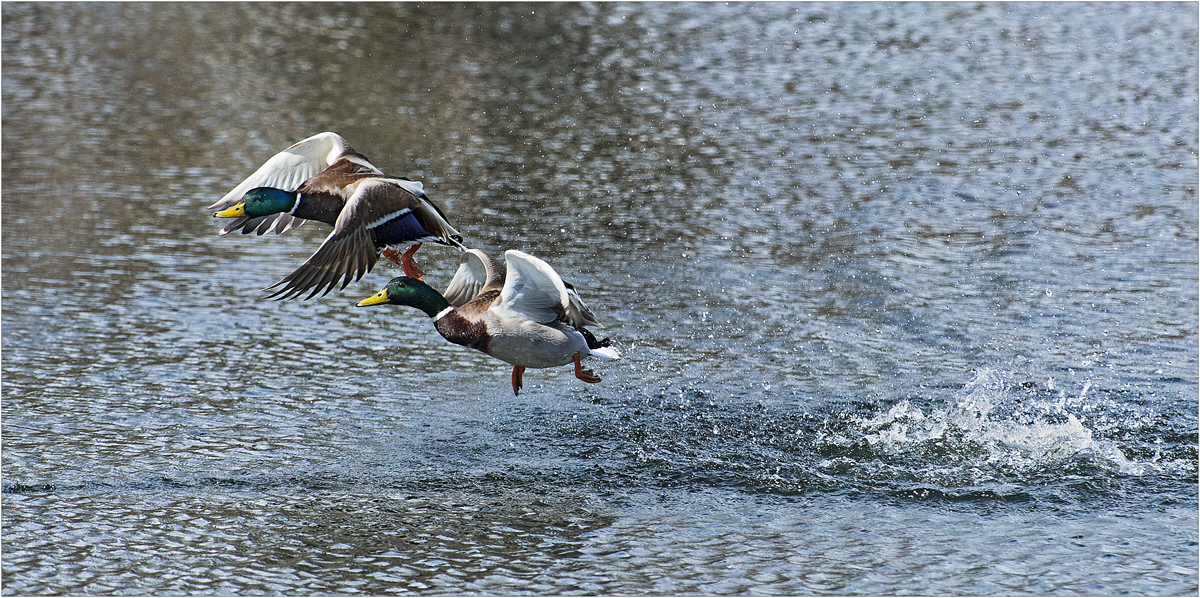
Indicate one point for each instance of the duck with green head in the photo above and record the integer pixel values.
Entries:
(322, 178)
(260, 202)
(526, 317)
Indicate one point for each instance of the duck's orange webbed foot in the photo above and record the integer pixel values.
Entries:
(517, 382)
(409, 266)
(406, 262)
(391, 254)
(583, 374)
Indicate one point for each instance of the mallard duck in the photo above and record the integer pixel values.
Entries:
(526, 317)
(322, 178)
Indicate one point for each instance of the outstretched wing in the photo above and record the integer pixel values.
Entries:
(380, 212)
(288, 170)
(532, 289)
(476, 270)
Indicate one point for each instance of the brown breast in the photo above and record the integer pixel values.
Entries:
(461, 331)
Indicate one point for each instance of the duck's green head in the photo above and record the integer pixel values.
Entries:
(261, 201)
(406, 290)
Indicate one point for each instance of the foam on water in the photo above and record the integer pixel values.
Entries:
(1034, 435)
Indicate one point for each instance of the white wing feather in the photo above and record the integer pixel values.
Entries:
(289, 169)
(475, 269)
(414, 187)
(532, 289)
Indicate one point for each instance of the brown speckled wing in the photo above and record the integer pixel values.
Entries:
(376, 206)
(345, 254)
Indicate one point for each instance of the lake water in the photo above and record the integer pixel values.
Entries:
(907, 297)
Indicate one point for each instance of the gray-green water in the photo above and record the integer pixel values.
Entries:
(907, 295)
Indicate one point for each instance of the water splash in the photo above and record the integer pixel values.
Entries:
(969, 431)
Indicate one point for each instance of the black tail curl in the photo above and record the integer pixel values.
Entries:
(592, 343)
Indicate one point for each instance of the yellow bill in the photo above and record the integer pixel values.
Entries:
(239, 209)
(376, 299)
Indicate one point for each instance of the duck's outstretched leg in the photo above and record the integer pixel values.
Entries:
(518, 371)
(409, 266)
(406, 261)
(582, 374)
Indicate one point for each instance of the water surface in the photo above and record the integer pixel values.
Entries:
(907, 297)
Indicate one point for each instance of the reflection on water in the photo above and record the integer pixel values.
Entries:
(907, 296)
